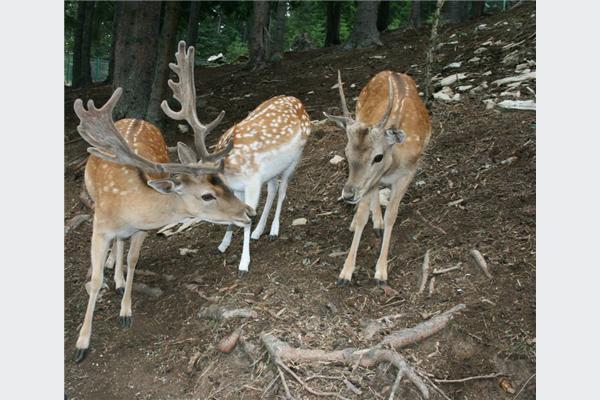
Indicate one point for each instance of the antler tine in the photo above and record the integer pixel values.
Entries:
(98, 129)
(388, 110)
(184, 92)
(342, 97)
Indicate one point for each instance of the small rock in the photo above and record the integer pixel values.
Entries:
(456, 64)
(474, 60)
(353, 86)
(480, 50)
(449, 80)
(335, 160)
(486, 73)
(311, 92)
(299, 221)
(185, 251)
(464, 88)
(419, 184)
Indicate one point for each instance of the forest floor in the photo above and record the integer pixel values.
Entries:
(475, 190)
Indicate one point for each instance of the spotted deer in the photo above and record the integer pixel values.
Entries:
(385, 142)
(266, 147)
(135, 189)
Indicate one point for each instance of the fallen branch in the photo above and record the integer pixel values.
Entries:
(372, 326)
(480, 262)
(445, 270)
(523, 387)
(424, 272)
(431, 286)
(219, 313)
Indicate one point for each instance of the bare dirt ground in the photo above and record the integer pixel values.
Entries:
(169, 353)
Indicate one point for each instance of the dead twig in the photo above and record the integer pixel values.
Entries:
(480, 262)
(437, 228)
(76, 221)
(431, 286)
(424, 272)
(523, 387)
(288, 395)
(445, 270)
(470, 378)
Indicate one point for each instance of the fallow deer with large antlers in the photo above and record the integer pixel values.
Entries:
(385, 142)
(135, 188)
(266, 147)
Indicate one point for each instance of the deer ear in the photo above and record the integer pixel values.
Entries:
(166, 186)
(186, 154)
(394, 136)
(339, 121)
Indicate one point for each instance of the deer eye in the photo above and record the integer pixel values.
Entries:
(377, 158)
(208, 197)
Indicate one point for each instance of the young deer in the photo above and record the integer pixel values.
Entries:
(267, 146)
(385, 142)
(136, 189)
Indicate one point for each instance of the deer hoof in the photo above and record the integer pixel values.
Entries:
(242, 274)
(272, 237)
(80, 355)
(120, 291)
(379, 282)
(125, 322)
(378, 233)
(342, 282)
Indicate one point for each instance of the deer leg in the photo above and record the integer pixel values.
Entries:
(271, 189)
(117, 252)
(391, 213)
(229, 232)
(132, 258)
(100, 244)
(376, 213)
(285, 177)
(360, 218)
(251, 197)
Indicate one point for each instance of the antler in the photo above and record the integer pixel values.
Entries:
(388, 111)
(342, 97)
(184, 91)
(98, 129)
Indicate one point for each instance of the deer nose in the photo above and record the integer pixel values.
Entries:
(348, 194)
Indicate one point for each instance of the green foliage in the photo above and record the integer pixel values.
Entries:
(400, 14)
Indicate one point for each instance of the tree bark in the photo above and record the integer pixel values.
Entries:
(383, 16)
(277, 42)
(365, 33)
(115, 29)
(192, 30)
(166, 51)
(455, 12)
(477, 8)
(332, 28)
(82, 45)
(135, 56)
(257, 42)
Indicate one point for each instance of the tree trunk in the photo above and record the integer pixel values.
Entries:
(166, 51)
(257, 38)
(365, 33)
(334, 14)
(115, 29)
(82, 45)
(383, 16)
(477, 8)
(135, 56)
(192, 30)
(415, 14)
(278, 31)
(455, 11)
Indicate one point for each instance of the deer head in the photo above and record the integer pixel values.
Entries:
(368, 150)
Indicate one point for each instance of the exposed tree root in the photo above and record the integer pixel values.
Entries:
(424, 272)
(74, 222)
(281, 352)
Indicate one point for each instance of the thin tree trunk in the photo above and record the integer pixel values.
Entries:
(257, 37)
(332, 28)
(77, 79)
(166, 51)
(86, 49)
(365, 33)
(115, 29)
(432, 44)
(135, 56)
(415, 14)
(279, 31)
(455, 11)
(477, 8)
(192, 30)
(383, 16)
